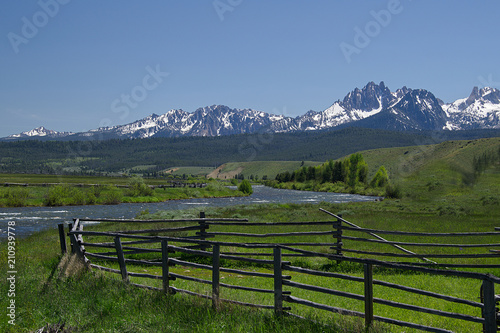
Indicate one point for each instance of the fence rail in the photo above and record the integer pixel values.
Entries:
(164, 258)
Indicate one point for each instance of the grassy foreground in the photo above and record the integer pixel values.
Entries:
(441, 192)
(49, 290)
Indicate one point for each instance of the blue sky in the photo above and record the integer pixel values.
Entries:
(77, 65)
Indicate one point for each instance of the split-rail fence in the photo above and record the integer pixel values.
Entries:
(123, 244)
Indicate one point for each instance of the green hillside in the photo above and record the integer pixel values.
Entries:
(444, 174)
(150, 156)
(258, 169)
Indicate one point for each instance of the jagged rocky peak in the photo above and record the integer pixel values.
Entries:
(401, 92)
(368, 98)
(373, 106)
(473, 96)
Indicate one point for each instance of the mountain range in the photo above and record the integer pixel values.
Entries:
(373, 106)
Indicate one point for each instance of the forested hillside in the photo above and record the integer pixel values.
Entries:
(155, 154)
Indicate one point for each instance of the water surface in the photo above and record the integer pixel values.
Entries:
(32, 219)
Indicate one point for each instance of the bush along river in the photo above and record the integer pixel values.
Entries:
(29, 220)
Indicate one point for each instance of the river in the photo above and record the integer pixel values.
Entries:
(29, 220)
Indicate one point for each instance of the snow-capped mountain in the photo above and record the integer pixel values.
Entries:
(480, 110)
(356, 105)
(40, 132)
(373, 106)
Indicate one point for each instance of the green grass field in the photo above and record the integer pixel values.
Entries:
(438, 196)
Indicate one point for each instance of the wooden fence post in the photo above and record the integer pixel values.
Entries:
(164, 266)
(215, 275)
(121, 259)
(203, 231)
(489, 311)
(62, 238)
(368, 295)
(72, 239)
(278, 282)
(337, 225)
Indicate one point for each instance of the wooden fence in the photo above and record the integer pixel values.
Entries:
(169, 184)
(120, 249)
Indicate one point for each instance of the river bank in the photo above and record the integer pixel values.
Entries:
(33, 219)
(136, 192)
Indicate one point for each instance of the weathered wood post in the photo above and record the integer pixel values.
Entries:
(121, 259)
(278, 282)
(164, 266)
(368, 295)
(62, 238)
(215, 276)
(489, 311)
(338, 246)
(72, 239)
(203, 231)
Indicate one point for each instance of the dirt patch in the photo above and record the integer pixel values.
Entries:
(171, 170)
(219, 174)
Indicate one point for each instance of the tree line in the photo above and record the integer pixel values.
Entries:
(349, 174)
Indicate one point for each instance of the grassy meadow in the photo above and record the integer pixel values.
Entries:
(442, 191)
(102, 191)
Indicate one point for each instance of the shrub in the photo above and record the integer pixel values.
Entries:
(112, 196)
(137, 187)
(57, 195)
(78, 197)
(245, 187)
(393, 191)
(16, 197)
(381, 178)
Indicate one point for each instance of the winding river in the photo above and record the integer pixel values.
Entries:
(29, 220)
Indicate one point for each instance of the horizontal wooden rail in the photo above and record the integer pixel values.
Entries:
(444, 272)
(189, 264)
(428, 293)
(428, 255)
(145, 231)
(418, 244)
(163, 220)
(249, 224)
(259, 290)
(190, 278)
(297, 300)
(430, 234)
(427, 310)
(449, 265)
(144, 275)
(384, 284)
(256, 274)
(324, 274)
(280, 234)
(323, 290)
(411, 325)
(107, 269)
